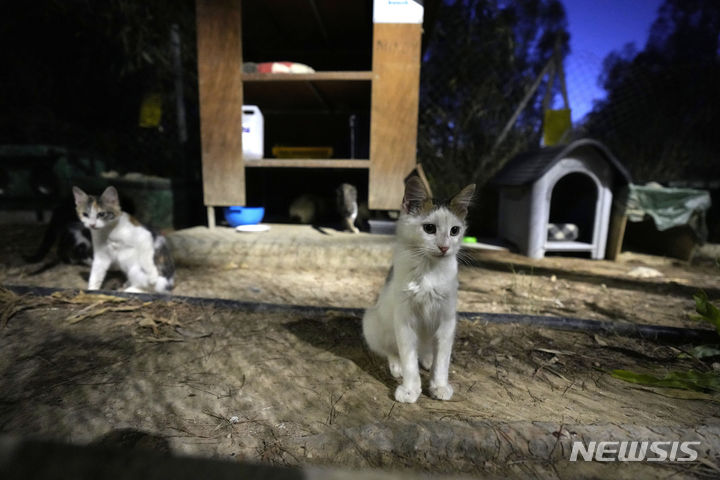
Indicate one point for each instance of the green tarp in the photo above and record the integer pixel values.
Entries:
(669, 207)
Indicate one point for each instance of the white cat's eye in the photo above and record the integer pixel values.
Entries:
(85, 215)
(429, 228)
(454, 231)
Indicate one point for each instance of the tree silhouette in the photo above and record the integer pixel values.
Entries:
(75, 73)
(480, 60)
(661, 116)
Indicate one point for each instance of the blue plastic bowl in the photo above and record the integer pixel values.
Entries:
(243, 215)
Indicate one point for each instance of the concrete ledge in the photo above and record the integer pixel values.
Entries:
(288, 246)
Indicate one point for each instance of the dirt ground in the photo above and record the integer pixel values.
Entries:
(297, 386)
(301, 266)
(293, 388)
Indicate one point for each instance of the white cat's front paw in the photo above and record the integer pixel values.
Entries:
(407, 395)
(441, 392)
(395, 369)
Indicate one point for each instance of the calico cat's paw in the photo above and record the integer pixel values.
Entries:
(441, 392)
(407, 395)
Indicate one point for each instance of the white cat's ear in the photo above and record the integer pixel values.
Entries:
(415, 195)
(460, 202)
(80, 196)
(110, 196)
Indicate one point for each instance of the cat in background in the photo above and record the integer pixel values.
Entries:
(318, 209)
(347, 206)
(414, 317)
(74, 245)
(308, 209)
(120, 240)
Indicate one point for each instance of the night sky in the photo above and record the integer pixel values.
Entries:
(598, 27)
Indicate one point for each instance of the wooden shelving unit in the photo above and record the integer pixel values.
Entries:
(360, 66)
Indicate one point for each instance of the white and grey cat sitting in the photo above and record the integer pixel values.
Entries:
(414, 318)
(120, 240)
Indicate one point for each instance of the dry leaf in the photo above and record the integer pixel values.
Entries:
(12, 304)
(84, 297)
(96, 309)
(148, 321)
(681, 394)
(191, 333)
(553, 352)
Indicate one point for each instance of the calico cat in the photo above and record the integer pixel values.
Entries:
(69, 238)
(414, 318)
(118, 239)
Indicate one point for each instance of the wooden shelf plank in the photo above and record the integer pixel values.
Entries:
(307, 77)
(307, 163)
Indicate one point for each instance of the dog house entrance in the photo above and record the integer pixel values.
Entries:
(573, 208)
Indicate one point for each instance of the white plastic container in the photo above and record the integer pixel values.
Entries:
(253, 133)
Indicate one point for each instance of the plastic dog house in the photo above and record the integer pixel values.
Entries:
(561, 184)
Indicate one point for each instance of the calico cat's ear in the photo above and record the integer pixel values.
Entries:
(110, 197)
(460, 202)
(80, 196)
(415, 196)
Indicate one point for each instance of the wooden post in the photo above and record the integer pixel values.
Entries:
(616, 234)
(521, 105)
(618, 222)
(211, 217)
(221, 98)
(394, 111)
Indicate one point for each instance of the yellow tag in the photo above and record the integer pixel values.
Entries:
(151, 111)
(556, 125)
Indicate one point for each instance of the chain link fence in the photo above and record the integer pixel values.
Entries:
(484, 74)
(481, 86)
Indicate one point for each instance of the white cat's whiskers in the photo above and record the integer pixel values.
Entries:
(464, 256)
(417, 252)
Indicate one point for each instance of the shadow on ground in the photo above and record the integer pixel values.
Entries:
(342, 336)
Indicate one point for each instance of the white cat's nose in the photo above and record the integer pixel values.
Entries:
(443, 249)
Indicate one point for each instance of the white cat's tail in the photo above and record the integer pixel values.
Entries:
(370, 330)
(378, 334)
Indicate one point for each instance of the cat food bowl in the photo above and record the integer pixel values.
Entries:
(243, 215)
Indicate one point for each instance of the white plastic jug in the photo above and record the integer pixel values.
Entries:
(253, 132)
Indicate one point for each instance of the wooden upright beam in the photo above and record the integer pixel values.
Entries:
(219, 47)
(394, 111)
